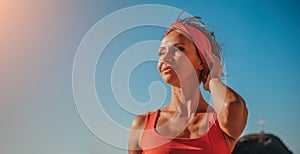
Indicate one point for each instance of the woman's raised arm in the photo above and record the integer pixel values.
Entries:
(229, 105)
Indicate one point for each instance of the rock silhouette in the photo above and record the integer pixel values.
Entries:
(260, 144)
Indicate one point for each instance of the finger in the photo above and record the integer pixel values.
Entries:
(211, 56)
(206, 83)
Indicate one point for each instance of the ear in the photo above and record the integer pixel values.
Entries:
(200, 66)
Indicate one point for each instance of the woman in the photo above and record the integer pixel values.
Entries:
(190, 56)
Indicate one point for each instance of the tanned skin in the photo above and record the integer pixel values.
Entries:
(187, 104)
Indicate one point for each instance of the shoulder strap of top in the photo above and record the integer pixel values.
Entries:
(217, 140)
(151, 120)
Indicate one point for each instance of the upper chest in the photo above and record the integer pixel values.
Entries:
(169, 124)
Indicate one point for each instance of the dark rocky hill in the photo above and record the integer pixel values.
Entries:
(260, 144)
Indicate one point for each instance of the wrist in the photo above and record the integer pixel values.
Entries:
(213, 81)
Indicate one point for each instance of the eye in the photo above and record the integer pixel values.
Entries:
(178, 49)
(161, 52)
(181, 48)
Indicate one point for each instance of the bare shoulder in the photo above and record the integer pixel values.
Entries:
(138, 122)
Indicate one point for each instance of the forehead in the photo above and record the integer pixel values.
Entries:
(176, 36)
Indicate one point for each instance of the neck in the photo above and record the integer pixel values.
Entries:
(187, 101)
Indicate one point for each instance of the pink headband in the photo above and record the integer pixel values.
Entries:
(199, 39)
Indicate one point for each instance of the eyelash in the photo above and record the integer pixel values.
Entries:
(160, 53)
(181, 48)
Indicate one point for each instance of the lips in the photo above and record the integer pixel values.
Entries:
(167, 68)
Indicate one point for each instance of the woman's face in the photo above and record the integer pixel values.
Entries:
(178, 59)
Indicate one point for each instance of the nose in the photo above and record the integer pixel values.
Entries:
(166, 58)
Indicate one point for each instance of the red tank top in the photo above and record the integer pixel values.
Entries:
(212, 142)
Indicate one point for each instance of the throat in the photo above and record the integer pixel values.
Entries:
(187, 104)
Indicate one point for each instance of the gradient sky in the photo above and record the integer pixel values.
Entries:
(39, 40)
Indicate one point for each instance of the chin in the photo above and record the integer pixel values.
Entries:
(172, 80)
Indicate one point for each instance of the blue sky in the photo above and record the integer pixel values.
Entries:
(38, 114)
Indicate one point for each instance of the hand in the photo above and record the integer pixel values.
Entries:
(215, 69)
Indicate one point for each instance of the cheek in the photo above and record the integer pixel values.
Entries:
(159, 66)
(188, 61)
(187, 66)
(182, 61)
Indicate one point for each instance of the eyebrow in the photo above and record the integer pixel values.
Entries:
(175, 44)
